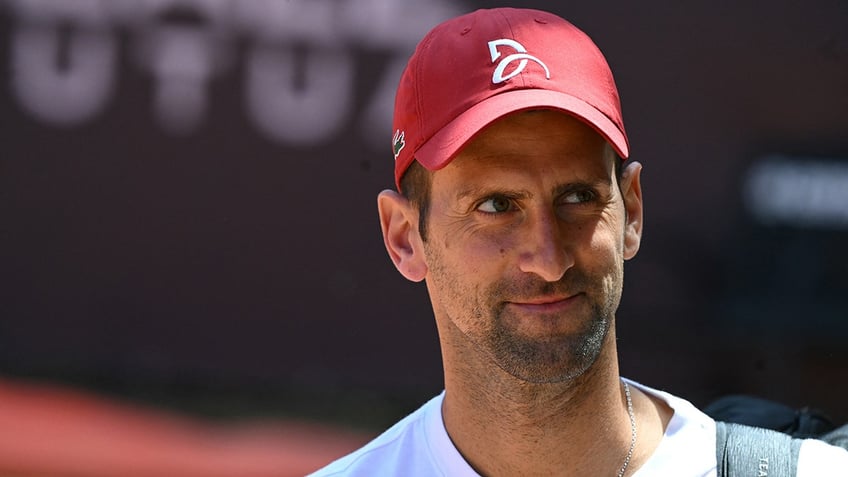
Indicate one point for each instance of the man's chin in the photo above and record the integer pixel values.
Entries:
(551, 361)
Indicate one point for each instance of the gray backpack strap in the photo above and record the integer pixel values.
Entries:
(744, 451)
(837, 437)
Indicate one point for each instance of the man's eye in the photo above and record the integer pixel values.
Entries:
(579, 197)
(495, 205)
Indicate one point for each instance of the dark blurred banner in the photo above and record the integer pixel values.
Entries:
(187, 194)
(188, 190)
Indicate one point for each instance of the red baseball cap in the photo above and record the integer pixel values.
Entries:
(474, 69)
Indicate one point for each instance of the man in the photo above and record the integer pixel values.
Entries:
(515, 209)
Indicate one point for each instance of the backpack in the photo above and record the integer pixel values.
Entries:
(756, 437)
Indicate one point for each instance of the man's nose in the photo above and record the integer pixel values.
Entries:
(544, 249)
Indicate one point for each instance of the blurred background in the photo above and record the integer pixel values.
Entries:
(191, 267)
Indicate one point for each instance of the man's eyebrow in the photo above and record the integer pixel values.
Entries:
(473, 192)
(476, 192)
(567, 187)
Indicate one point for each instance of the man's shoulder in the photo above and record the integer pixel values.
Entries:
(688, 443)
(820, 458)
(392, 451)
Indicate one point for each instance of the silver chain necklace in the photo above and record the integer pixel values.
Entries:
(632, 429)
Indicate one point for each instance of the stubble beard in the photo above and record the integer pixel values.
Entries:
(555, 358)
(552, 359)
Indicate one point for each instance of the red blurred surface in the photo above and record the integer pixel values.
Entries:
(52, 431)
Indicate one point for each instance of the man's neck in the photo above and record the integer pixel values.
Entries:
(505, 426)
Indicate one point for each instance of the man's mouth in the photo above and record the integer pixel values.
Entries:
(546, 304)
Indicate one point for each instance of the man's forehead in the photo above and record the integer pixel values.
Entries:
(540, 143)
(589, 162)
(472, 175)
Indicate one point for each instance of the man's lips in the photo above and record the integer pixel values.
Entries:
(545, 303)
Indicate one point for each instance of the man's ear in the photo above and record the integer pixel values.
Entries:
(631, 190)
(399, 221)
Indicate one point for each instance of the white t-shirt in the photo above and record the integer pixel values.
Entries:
(419, 446)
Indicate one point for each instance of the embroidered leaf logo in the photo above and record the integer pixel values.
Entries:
(398, 142)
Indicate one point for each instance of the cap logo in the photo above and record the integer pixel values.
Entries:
(398, 142)
(498, 76)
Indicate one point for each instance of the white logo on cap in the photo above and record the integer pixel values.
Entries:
(497, 76)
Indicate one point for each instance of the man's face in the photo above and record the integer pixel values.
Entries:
(527, 243)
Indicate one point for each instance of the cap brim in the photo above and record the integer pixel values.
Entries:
(445, 144)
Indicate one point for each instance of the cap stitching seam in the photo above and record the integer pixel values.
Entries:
(512, 36)
(419, 104)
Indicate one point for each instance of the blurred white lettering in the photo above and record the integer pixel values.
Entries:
(321, 104)
(63, 60)
(299, 63)
(802, 192)
(182, 45)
